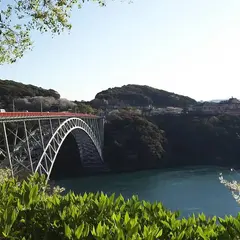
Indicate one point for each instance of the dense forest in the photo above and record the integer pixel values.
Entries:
(21, 97)
(22, 93)
(138, 95)
(133, 142)
(201, 140)
(11, 89)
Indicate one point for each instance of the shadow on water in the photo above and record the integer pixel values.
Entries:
(190, 190)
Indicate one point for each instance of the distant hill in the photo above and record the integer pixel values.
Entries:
(142, 95)
(10, 90)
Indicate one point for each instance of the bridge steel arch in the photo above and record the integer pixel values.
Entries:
(48, 157)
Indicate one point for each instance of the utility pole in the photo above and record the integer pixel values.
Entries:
(13, 106)
(41, 105)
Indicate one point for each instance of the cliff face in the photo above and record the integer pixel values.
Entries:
(173, 141)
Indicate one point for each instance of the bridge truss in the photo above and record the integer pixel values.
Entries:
(30, 142)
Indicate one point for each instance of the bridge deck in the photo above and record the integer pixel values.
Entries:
(15, 116)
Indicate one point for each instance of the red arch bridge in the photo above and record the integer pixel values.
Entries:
(30, 141)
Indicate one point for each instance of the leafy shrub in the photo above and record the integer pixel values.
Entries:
(5, 174)
(28, 211)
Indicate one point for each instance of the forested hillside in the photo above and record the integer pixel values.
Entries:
(133, 142)
(20, 97)
(138, 95)
(10, 90)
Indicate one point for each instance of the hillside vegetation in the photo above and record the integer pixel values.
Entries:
(201, 140)
(33, 98)
(134, 142)
(138, 95)
(10, 90)
(30, 97)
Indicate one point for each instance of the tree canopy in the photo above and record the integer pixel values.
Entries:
(141, 95)
(19, 17)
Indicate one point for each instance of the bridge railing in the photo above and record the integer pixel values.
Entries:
(43, 114)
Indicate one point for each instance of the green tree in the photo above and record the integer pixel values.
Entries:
(83, 108)
(20, 17)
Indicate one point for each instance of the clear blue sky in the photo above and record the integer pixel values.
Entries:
(188, 47)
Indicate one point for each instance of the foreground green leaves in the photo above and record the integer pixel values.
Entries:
(28, 210)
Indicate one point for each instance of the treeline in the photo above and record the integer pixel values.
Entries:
(20, 97)
(11, 90)
(14, 89)
(39, 103)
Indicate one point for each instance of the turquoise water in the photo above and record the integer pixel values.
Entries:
(190, 190)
